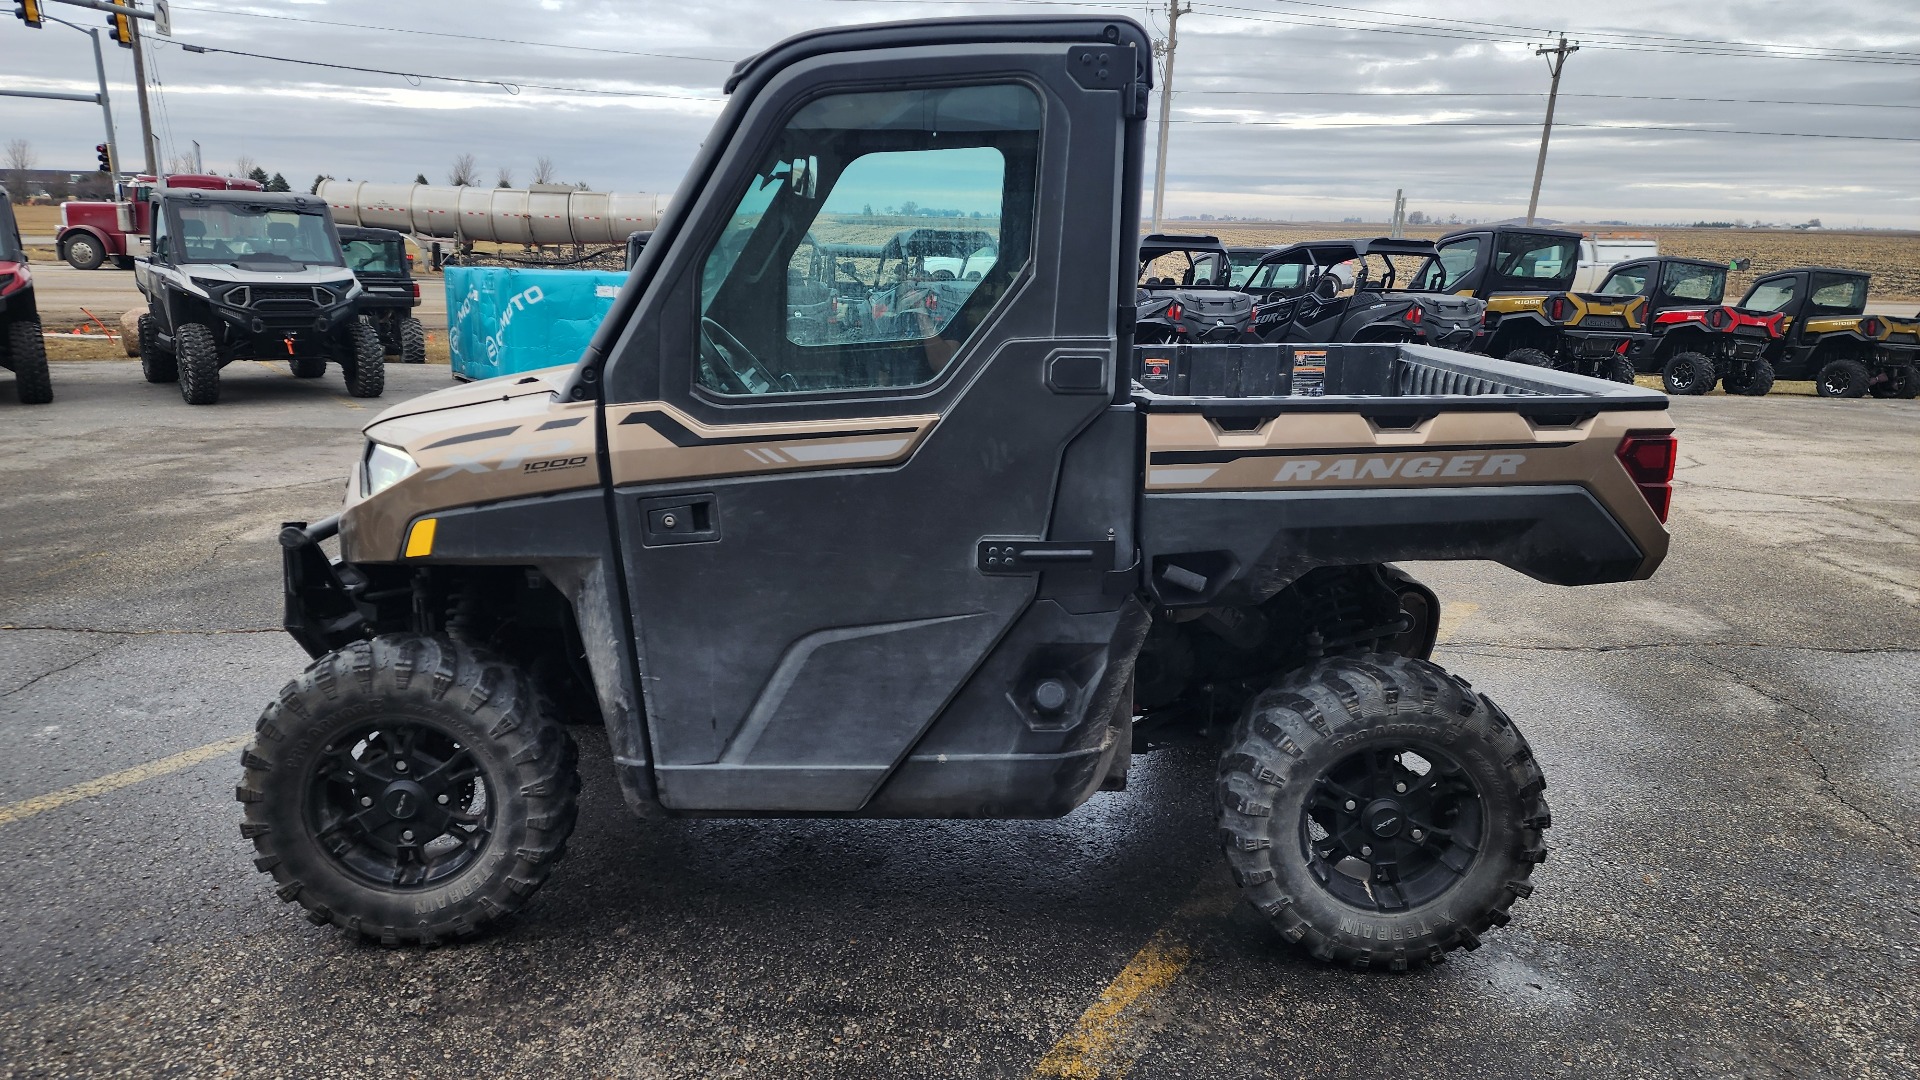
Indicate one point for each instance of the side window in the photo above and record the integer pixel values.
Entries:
(1626, 281)
(1833, 294)
(1684, 281)
(1279, 275)
(1770, 296)
(159, 221)
(877, 235)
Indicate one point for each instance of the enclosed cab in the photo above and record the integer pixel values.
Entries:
(949, 566)
(1827, 336)
(241, 275)
(1514, 269)
(1185, 292)
(388, 292)
(1679, 328)
(23, 350)
(93, 233)
(1349, 290)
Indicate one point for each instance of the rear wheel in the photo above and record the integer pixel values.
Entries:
(1901, 382)
(1844, 378)
(198, 361)
(1532, 357)
(1752, 380)
(157, 364)
(307, 367)
(83, 252)
(1620, 370)
(27, 355)
(1688, 373)
(367, 371)
(409, 789)
(413, 342)
(1379, 812)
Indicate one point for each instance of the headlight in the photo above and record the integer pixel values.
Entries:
(207, 286)
(385, 466)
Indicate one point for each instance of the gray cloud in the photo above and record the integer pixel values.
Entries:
(1286, 156)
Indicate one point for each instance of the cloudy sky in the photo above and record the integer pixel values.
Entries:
(1285, 110)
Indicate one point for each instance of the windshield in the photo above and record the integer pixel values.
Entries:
(1534, 257)
(375, 256)
(1684, 281)
(224, 232)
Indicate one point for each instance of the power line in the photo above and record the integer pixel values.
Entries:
(1423, 125)
(448, 34)
(509, 85)
(1535, 94)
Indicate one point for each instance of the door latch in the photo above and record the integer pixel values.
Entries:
(679, 519)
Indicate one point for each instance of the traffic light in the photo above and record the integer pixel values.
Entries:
(28, 11)
(122, 26)
(106, 159)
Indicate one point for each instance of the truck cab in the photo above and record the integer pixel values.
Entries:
(1827, 336)
(1514, 269)
(949, 566)
(94, 233)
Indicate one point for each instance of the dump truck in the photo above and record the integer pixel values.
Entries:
(961, 567)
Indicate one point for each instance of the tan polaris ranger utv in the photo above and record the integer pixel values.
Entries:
(953, 565)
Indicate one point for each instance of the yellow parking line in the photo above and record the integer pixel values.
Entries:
(40, 804)
(1102, 1042)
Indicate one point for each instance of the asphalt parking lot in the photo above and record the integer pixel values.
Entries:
(1732, 751)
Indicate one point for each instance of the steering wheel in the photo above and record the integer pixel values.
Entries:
(1326, 290)
(738, 363)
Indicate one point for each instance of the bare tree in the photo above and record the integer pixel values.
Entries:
(19, 160)
(463, 172)
(183, 163)
(244, 165)
(506, 177)
(545, 171)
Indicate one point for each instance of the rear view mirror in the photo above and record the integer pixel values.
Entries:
(804, 177)
(1739, 265)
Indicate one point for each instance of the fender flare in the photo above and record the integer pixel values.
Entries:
(106, 243)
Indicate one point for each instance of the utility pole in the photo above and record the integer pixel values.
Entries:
(1174, 11)
(140, 87)
(1398, 229)
(1556, 61)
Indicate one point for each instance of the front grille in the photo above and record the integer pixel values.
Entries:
(283, 299)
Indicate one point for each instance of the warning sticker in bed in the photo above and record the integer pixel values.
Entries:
(1309, 372)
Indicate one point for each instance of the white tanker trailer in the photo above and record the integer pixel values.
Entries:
(542, 214)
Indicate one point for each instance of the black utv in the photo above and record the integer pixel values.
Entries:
(22, 350)
(1829, 338)
(379, 261)
(250, 275)
(1186, 293)
(1347, 290)
(1514, 269)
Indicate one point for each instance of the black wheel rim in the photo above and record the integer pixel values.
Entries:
(1392, 827)
(400, 804)
(1834, 383)
(1682, 378)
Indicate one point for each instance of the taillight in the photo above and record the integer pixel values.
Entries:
(1175, 312)
(1413, 314)
(10, 282)
(1871, 326)
(1776, 323)
(1557, 309)
(416, 288)
(1648, 458)
(1717, 318)
(1622, 347)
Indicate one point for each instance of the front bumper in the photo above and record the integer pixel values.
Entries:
(281, 311)
(323, 597)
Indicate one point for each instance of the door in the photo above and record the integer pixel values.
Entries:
(833, 515)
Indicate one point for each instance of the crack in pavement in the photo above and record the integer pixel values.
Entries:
(146, 633)
(1793, 734)
(1631, 646)
(108, 647)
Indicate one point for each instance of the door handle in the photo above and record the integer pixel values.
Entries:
(679, 519)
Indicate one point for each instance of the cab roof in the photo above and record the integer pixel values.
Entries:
(1342, 250)
(288, 199)
(1531, 230)
(1816, 270)
(361, 232)
(980, 30)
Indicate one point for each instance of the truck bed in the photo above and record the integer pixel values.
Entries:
(1305, 456)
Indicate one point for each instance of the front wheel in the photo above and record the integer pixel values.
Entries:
(413, 342)
(197, 359)
(27, 355)
(1620, 369)
(409, 789)
(1901, 382)
(1530, 357)
(1755, 381)
(366, 371)
(84, 253)
(1379, 812)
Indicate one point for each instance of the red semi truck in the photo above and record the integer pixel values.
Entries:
(93, 232)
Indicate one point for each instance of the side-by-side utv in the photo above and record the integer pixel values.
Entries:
(23, 350)
(950, 567)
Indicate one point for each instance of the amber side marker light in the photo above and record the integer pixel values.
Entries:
(1649, 458)
(420, 538)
